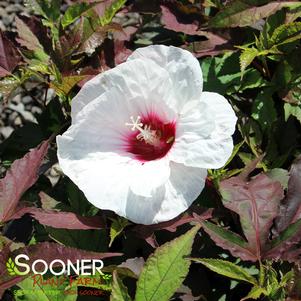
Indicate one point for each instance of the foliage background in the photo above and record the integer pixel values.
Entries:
(245, 242)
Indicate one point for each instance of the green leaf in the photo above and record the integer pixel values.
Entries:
(165, 270)
(74, 12)
(280, 175)
(117, 227)
(255, 293)
(68, 82)
(226, 268)
(292, 110)
(240, 13)
(29, 40)
(229, 241)
(286, 33)
(286, 239)
(111, 11)
(263, 110)
(49, 9)
(247, 57)
(119, 290)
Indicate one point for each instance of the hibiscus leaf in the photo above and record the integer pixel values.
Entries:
(292, 110)
(246, 58)
(286, 33)
(9, 56)
(263, 110)
(255, 293)
(147, 232)
(256, 202)
(28, 39)
(240, 13)
(226, 268)
(61, 220)
(170, 21)
(119, 290)
(21, 176)
(110, 12)
(230, 241)
(165, 270)
(73, 12)
(286, 239)
(290, 209)
(117, 227)
(67, 83)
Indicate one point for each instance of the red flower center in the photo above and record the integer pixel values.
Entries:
(151, 138)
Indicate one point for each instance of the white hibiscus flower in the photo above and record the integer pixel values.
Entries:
(143, 135)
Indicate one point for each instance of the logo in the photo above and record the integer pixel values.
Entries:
(21, 267)
(12, 269)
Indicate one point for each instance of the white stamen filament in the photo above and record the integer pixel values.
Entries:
(146, 133)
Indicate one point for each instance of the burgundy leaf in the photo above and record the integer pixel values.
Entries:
(215, 45)
(256, 202)
(9, 56)
(284, 246)
(147, 232)
(134, 264)
(230, 241)
(290, 209)
(61, 220)
(121, 52)
(21, 176)
(170, 22)
(26, 37)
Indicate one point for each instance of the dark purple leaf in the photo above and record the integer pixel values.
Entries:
(240, 13)
(230, 241)
(256, 202)
(26, 37)
(147, 232)
(21, 176)
(61, 220)
(290, 209)
(9, 56)
(283, 246)
(170, 21)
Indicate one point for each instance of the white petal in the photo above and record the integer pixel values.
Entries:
(183, 68)
(147, 177)
(140, 81)
(203, 137)
(225, 118)
(99, 176)
(107, 178)
(169, 200)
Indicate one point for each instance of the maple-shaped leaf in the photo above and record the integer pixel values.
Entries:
(290, 209)
(195, 214)
(61, 220)
(21, 176)
(256, 202)
(9, 56)
(288, 224)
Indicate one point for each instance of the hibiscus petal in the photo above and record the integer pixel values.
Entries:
(183, 68)
(225, 119)
(211, 145)
(169, 200)
(148, 176)
(138, 82)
